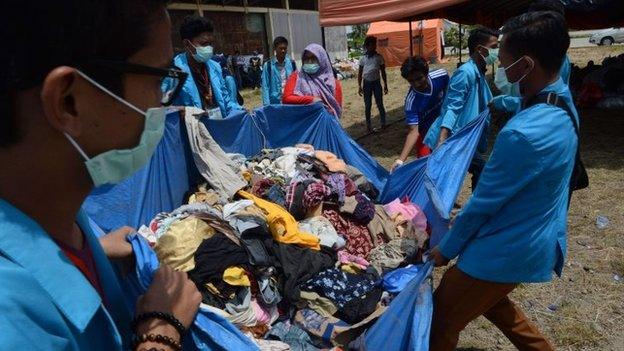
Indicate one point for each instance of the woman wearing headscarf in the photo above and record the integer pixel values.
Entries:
(315, 82)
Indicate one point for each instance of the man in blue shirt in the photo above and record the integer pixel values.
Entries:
(205, 87)
(468, 95)
(509, 100)
(513, 228)
(275, 72)
(422, 104)
(79, 116)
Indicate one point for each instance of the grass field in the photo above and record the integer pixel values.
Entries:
(588, 301)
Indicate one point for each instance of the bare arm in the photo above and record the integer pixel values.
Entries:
(384, 77)
(360, 71)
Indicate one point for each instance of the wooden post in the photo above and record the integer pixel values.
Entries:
(411, 39)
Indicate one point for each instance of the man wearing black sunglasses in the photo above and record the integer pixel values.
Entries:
(82, 110)
(205, 87)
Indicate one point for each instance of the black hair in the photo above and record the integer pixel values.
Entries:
(480, 36)
(279, 40)
(195, 25)
(66, 33)
(543, 35)
(370, 40)
(414, 64)
(547, 5)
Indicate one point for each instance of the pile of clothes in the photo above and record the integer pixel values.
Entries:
(600, 86)
(300, 257)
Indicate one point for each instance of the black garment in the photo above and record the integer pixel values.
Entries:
(213, 257)
(358, 309)
(253, 241)
(204, 87)
(296, 207)
(295, 265)
(362, 182)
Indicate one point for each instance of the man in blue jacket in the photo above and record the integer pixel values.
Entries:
(275, 72)
(509, 100)
(467, 96)
(205, 87)
(513, 228)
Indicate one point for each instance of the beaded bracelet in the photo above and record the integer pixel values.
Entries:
(167, 317)
(157, 338)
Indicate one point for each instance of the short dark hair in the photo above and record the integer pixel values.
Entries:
(414, 64)
(195, 25)
(279, 40)
(480, 36)
(547, 5)
(67, 33)
(370, 40)
(542, 35)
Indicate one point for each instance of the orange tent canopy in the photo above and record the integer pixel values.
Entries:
(393, 41)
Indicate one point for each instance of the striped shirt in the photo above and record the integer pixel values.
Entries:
(423, 108)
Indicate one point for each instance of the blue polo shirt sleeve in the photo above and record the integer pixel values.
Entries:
(455, 99)
(266, 89)
(507, 103)
(500, 181)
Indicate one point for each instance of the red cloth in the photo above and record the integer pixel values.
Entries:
(83, 260)
(422, 150)
(289, 96)
(359, 241)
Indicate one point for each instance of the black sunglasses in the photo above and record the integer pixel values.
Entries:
(172, 79)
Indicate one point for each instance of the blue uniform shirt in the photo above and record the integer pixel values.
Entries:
(513, 228)
(46, 302)
(272, 87)
(189, 95)
(422, 108)
(467, 96)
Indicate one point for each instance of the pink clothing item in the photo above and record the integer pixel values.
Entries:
(345, 258)
(409, 211)
(264, 315)
(333, 163)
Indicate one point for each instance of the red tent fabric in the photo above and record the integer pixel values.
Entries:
(493, 13)
(393, 40)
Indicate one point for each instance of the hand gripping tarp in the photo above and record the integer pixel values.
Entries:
(209, 331)
(161, 185)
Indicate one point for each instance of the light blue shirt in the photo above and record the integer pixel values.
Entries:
(189, 95)
(46, 302)
(511, 103)
(272, 87)
(467, 96)
(513, 228)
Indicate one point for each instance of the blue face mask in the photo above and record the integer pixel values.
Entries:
(492, 56)
(203, 53)
(113, 166)
(311, 68)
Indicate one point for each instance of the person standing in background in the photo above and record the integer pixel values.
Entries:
(372, 70)
(255, 70)
(205, 87)
(275, 72)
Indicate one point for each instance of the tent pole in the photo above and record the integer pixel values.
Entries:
(411, 39)
(323, 37)
(422, 37)
(460, 43)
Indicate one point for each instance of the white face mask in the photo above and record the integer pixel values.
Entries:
(113, 166)
(504, 85)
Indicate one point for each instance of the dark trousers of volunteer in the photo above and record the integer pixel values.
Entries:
(370, 89)
(459, 299)
(476, 167)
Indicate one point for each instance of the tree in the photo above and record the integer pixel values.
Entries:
(451, 37)
(355, 39)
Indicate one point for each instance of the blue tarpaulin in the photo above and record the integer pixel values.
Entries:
(161, 185)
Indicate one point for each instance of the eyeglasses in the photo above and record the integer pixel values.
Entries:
(171, 79)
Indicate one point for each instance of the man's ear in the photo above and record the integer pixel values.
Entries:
(58, 100)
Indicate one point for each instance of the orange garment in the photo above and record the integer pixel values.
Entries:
(333, 163)
(282, 225)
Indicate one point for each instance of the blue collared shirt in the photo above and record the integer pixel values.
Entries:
(272, 84)
(467, 96)
(513, 228)
(189, 95)
(46, 302)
